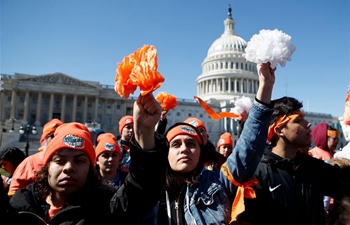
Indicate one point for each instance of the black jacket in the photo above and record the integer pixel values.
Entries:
(291, 191)
(139, 193)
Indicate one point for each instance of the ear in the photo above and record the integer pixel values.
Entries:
(278, 131)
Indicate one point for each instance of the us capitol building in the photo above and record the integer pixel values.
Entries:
(226, 76)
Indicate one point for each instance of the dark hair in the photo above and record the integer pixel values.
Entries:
(331, 128)
(191, 177)
(283, 106)
(43, 188)
(14, 155)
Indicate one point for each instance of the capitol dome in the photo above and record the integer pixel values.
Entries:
(227, 43)
(226, 74)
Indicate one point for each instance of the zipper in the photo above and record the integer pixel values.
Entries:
(177, 212)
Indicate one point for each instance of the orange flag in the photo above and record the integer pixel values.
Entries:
(213, 114)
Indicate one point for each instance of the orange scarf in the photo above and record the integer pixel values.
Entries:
(213, 114)
(243, 191)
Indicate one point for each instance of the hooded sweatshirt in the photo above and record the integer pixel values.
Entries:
(319, 136)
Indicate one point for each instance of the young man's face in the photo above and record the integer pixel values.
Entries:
(203, 133)
(108, 162)
(127, 132)
(297, 132)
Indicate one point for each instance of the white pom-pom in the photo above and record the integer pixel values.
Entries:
(243, 104)
(269, 46)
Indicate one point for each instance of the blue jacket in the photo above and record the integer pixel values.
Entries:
(209, 201)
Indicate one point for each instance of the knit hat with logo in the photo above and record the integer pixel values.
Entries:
(183, 129)
(195, 122)
(225, 139)
(71, 136)
(125, 120)
(49, 128)
(107, 142)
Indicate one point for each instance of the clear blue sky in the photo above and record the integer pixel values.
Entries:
(86, 38)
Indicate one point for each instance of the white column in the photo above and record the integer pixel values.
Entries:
(235, 85)
(26, 108)
(63, 107)
(52, 102)
(85, 109)
(74, 116)
(229, 85)
(1, 103)
(222, 85)
(96, 109)
(38, 110)
(13, 104)
(104, 119)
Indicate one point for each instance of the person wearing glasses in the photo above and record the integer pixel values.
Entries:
(325, 138)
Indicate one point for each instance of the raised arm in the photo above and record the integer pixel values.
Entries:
(251, 144)
(266, 82)
(147, 112)
(143, 185)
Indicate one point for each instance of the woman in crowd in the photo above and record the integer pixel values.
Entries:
(67, 189)
(224, 145)
(194, 195)
(107, 160)
(10, 158)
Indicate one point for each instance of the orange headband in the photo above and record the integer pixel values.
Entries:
(332, 133)
(183, 129)
(280, 122)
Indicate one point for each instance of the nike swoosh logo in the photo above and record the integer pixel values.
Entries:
(274, 188)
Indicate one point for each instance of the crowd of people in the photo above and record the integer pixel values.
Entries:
(155, 175)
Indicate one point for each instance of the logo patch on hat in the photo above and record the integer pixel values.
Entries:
(128, 121)
(73, 141)
(194, 123)
(188, 129)
(109, 147)
(221, 141)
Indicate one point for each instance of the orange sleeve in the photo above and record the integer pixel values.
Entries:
(25, 173)
(21, 177)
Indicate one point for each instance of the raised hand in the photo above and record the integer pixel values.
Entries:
(147, 111)
(266, 82)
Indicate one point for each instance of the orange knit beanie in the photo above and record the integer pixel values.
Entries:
(125, 120)
(72, 136)
(225, 139)
(107, 142)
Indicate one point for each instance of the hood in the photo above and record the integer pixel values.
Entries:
(319, 135)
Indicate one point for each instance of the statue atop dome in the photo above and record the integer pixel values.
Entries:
(229, 11)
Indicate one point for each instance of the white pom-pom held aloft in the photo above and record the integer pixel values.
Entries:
(269, 46)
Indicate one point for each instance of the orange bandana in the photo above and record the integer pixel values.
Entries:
(183, 129)
(332, 133)
(243, 191)
(280, 122)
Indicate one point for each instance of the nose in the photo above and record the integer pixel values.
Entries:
(68, 167)
(183, 148)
